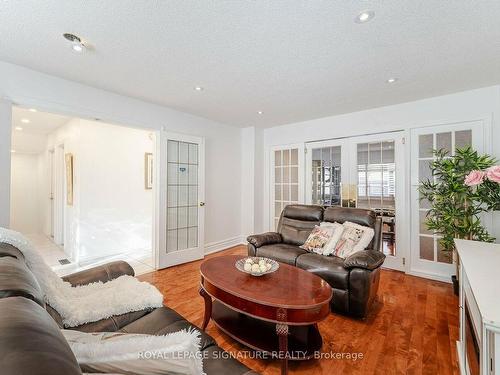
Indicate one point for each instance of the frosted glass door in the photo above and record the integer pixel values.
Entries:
(181, 197)
(427, 255)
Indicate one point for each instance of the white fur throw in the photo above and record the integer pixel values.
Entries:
(125, 353)
(87, 303)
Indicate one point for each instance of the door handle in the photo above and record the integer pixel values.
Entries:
(202, 204)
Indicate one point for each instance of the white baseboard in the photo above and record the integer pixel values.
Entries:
(214, 247)
(431, 276)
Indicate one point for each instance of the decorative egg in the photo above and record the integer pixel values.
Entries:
(249, 260)
(255, 268)
(268, 266)
(262, 262)
(263, 268)
(247, 267)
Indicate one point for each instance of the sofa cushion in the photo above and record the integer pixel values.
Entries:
(7, 250)
(111, 324)
(295, 232)
(297, 221)
(303, 212)
(31, 342)
(17, 280)
(359, 216)
(281, 252)
(162, 321)
(331, 269)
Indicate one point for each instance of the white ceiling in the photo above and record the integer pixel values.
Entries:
(294, 60)
(32, 137)
(39, 122)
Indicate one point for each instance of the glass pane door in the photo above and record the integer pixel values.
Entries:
(427, 255)
(325, 170)
(181, 199)
(362, 172)
(286, 180)
(376, 180)
(326, 175)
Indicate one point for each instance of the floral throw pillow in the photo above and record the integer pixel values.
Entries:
(317, 239)
(354, 238)
(338, 229)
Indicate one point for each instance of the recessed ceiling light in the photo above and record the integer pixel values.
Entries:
(260, 112)
(198, 88)
(32, 110)
(76, 42)
(18, 128)
(392, 80)
(364, 16)
(13, 151)
(25, 121)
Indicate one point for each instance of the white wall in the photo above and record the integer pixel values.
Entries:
(5, 140)
(222, 143)
(247, 180)
(25, 210)
(483, 104)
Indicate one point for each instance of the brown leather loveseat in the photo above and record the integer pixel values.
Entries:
(354, 280)
(30, 338)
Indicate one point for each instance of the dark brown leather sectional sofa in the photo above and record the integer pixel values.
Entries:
(354, 280)
(30, 337)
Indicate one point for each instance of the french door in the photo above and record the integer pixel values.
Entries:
(427, 257)
(363, 172)
(286, 177)
(180, 218)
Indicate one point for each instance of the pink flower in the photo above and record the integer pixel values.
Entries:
(474, 178)
(493, 173)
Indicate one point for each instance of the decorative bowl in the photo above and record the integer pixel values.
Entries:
(257, 266)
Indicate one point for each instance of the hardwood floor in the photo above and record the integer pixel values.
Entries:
(412, 328)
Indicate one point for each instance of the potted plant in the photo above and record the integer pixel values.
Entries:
(459, 193)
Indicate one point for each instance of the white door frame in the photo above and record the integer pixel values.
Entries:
(51, 193)
(162, 258)
(59, 195)
(417, 266)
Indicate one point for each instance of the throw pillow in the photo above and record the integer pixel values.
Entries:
(354, 238)
(338, 229)
(317, 239)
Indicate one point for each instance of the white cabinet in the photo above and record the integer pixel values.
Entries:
(479, 344)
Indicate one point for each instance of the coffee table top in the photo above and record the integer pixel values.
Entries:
(288, 287)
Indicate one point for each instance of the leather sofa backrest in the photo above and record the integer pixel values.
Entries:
(360, 216)
(297, 221)
(31, 342)
(17, 280)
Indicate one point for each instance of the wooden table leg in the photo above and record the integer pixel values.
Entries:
(208, 307)
(282, 331)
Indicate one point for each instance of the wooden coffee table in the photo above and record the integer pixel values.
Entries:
(275, 313)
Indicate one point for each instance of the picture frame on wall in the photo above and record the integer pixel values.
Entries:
(148, 170)
(69, 178)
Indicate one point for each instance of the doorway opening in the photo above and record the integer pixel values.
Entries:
(82, 190)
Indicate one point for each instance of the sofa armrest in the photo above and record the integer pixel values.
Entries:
(367, 259)
(269, 238)
(105, 272)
